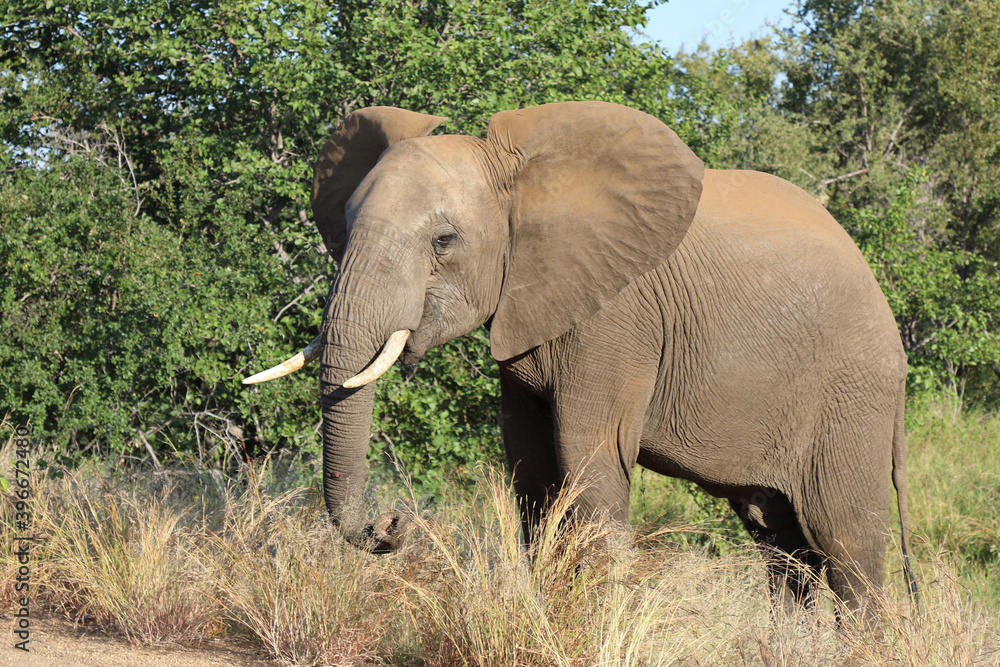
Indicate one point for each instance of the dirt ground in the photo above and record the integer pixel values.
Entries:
(57, 642)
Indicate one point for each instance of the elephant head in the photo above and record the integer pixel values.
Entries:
(530, 231)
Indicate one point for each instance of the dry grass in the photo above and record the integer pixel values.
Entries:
(121, 556)
(284, 577)
(580, 596)
(183, 555)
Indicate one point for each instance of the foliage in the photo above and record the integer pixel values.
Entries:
(708, 522)
(946, 300)
(115, 328)
(156, 163)
(725, 110)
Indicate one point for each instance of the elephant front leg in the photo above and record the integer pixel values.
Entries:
(600, 467)
(575, 427)
(526, 423)
(597, 443)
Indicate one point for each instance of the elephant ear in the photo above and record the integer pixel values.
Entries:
(602, 195)
(349, 155)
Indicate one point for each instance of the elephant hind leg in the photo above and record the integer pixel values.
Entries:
(793, 565)
(854, 557)
(845, 510)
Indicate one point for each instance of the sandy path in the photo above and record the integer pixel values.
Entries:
(56, 642)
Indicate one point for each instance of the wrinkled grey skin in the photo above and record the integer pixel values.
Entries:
(717, 326)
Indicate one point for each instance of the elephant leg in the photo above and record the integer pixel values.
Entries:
(854, 553)
(793, 565)
(847, 511)
(526, 423)
(597, 444)
(583, 420)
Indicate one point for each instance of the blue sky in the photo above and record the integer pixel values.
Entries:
(685, 22)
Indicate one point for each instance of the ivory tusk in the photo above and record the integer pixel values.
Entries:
(308, 355)
(386, 358)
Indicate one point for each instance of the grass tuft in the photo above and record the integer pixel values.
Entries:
(124, 559)
(286, 578)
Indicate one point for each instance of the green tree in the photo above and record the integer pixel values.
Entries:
(728, 111)
(156, 163)
(890, 89)
(946, 299)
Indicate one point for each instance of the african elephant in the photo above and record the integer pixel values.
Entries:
(717, 326)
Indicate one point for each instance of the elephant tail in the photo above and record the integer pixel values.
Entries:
(902, 490)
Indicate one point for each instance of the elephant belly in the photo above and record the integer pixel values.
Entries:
(729, 458)
(730, 438)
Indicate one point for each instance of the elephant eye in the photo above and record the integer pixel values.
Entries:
(443, 241)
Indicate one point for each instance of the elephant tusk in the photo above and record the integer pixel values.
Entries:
(308, 355)
(386, 358)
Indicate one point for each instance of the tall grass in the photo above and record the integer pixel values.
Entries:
(954, 469)
(184, 555)
(121, 555)
(580, 595)
(285, 578)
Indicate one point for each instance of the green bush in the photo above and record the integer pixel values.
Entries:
(118, 331)
(946, 300)
(155, 234)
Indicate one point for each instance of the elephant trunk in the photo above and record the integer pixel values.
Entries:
(352, 338)
(347, 417)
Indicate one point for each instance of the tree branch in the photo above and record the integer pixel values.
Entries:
(843, 177)
(299, 297)
(149, 448)
(892, 137)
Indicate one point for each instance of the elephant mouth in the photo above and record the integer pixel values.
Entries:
(432, 331)
(415, 349)
(386, 358)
